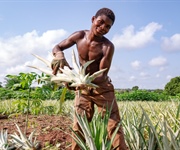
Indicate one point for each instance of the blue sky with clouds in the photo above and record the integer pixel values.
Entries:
(146, 36)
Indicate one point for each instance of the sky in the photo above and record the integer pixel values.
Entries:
(146, 36)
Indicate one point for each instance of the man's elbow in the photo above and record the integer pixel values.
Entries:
(55, 49)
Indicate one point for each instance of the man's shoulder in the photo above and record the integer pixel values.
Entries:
(80, 33)
(108, 42)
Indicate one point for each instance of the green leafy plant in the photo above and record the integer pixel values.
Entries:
(153, 127)
(62, 98)
(95, 132)
(141, 95)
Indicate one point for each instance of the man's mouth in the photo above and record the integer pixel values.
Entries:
(99, 31)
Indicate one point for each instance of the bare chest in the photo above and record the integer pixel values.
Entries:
(90, 50)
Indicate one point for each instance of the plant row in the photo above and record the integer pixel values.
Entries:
(147, 126)
(47, 93)
(36, 93)
(142, 95)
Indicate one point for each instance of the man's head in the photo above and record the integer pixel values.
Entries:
(106, 11)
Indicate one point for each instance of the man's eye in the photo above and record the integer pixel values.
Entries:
(108, 27)
(100, 21)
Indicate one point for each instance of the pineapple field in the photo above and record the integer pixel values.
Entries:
(147, 125)
(40, 117)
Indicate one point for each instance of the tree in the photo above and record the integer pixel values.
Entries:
(1, 84)
(135, 88)
(21, 81)
(173, 86)
(11, 81)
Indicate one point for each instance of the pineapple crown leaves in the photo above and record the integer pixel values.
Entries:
(4, 144)
(23, 141)
(48, 63)
(3, 139)
(74, 77)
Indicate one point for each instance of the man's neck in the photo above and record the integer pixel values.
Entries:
(92, 37)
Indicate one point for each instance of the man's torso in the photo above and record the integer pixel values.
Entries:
(91, 50)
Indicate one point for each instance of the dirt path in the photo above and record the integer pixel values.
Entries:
(52, 131)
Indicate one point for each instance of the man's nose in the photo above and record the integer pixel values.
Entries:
(103, 27)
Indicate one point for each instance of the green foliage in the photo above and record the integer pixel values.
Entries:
(21, 81)
(147, 125)
(62, 98)
(141, 95)
(1, 84)
(11, 80)
(36, 93)
(173, 87)
(135, 88)
(152, 125)
(95, 132)
(28, 99)
(20, 105)
(19, 87)
(6, 93)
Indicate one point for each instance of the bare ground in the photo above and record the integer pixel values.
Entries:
(52, 131)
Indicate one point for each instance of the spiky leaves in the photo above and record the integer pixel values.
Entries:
(75, 77)
(23, 142)
(4, 145)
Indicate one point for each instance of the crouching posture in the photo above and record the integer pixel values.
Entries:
(93, 45)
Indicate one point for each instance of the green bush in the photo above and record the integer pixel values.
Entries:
(36, 93)
(141, 95)
(6, 94)
(173, 86)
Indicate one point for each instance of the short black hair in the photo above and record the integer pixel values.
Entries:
(106, 11)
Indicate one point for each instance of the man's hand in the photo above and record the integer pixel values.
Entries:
(58, 63)
(69, 87)
(79, 87)
(82, 87)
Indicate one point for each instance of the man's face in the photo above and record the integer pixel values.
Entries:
(101, 25)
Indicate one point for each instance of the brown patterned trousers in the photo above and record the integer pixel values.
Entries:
(103, 97)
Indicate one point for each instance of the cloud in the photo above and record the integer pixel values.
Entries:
(158, 61)
(132, 39)
(157, 75)
(136, 64)
(168, 77)
(144, 75)
(16, 51)
(162, 68)
(132, 78)
(172, 43)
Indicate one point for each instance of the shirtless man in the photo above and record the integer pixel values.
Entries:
(92, 45)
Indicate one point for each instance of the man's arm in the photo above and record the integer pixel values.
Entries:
(70, 41)
(105, 63)
(59, 60)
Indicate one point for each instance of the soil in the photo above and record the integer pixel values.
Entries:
(52, 131)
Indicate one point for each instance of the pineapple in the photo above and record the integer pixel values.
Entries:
(74, 77)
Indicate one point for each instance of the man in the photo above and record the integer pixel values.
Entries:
(93, 45)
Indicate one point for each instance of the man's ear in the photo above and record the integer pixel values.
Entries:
(93, 18)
